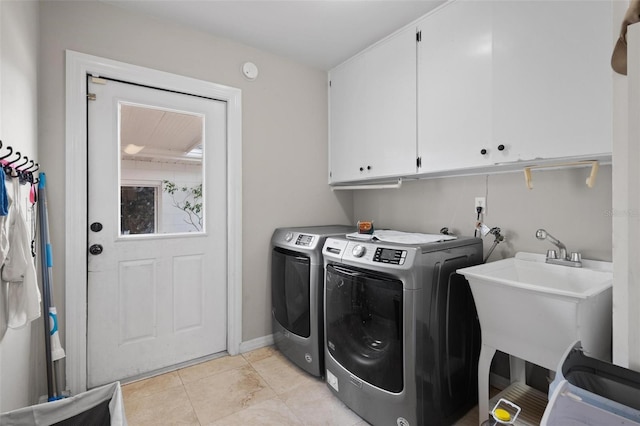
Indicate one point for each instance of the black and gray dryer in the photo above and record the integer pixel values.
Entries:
(297, 287)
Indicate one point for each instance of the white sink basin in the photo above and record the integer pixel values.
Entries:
(535, 311)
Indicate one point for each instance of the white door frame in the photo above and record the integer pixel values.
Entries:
(78, 65)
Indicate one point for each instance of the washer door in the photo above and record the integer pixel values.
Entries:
(364, 325)
(290, 282)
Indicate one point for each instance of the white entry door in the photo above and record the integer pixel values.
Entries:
(157, 202)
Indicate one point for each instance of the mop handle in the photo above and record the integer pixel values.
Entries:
(46, 284)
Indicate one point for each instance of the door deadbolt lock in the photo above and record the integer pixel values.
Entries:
(96, 227)
(95, 249)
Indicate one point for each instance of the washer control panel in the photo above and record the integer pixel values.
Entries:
(388, 255)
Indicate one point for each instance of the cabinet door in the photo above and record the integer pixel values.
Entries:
(552, 94)
(372, 100)
(454, 87)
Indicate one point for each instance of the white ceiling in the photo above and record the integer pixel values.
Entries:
(321, 34)
(154, 134)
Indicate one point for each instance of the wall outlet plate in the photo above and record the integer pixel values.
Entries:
(480, 202)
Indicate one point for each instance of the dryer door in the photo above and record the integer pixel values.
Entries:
(364, 325)
(290, 298)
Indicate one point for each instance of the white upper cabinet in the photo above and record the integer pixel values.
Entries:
(454, 87)
(372, 120)
(509, 82)
(489, 86)
(552, 79)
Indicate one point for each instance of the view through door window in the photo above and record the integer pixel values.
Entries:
(161, 167)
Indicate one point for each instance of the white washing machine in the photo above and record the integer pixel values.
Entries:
(297, 286)
(401, 329)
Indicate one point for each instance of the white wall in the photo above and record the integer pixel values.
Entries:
(284, 127)
(22, 376)
(560, 202)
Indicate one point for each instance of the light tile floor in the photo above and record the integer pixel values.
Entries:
(257, 388)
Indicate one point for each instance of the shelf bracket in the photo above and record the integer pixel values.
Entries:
(591, 180)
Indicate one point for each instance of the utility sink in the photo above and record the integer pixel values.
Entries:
(535, 311)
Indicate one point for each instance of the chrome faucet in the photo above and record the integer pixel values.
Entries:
(561, 258)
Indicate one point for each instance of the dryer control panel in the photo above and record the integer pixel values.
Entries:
(304, 240)
(297, 239)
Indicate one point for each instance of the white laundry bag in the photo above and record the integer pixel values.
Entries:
(101, 406)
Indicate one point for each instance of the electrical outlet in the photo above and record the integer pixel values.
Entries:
(481, 202)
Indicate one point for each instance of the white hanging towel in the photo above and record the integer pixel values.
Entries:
(22, 295)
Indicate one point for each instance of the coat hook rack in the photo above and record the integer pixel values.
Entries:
(10, 149)
(18, 166)
(591, 180)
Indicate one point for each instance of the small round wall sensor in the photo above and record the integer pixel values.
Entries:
(250, 71)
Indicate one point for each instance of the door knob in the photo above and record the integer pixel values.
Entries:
(95, 249)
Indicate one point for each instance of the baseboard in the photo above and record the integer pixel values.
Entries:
(257, 343)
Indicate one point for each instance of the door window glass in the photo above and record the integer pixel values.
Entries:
(138, 209)
(165, 148)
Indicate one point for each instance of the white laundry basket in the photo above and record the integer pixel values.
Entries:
(102, 406)
(588, 391)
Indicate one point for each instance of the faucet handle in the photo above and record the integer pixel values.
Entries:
(563, 254)
(576, 256)
(552, 254)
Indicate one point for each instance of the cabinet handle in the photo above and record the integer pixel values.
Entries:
(483, 151)
(368, 167)
(362, 169)
(500, 147)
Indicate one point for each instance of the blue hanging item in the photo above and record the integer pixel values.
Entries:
(4, 199)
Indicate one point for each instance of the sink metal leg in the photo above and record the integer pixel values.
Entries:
(484, 364)
(517, 369)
